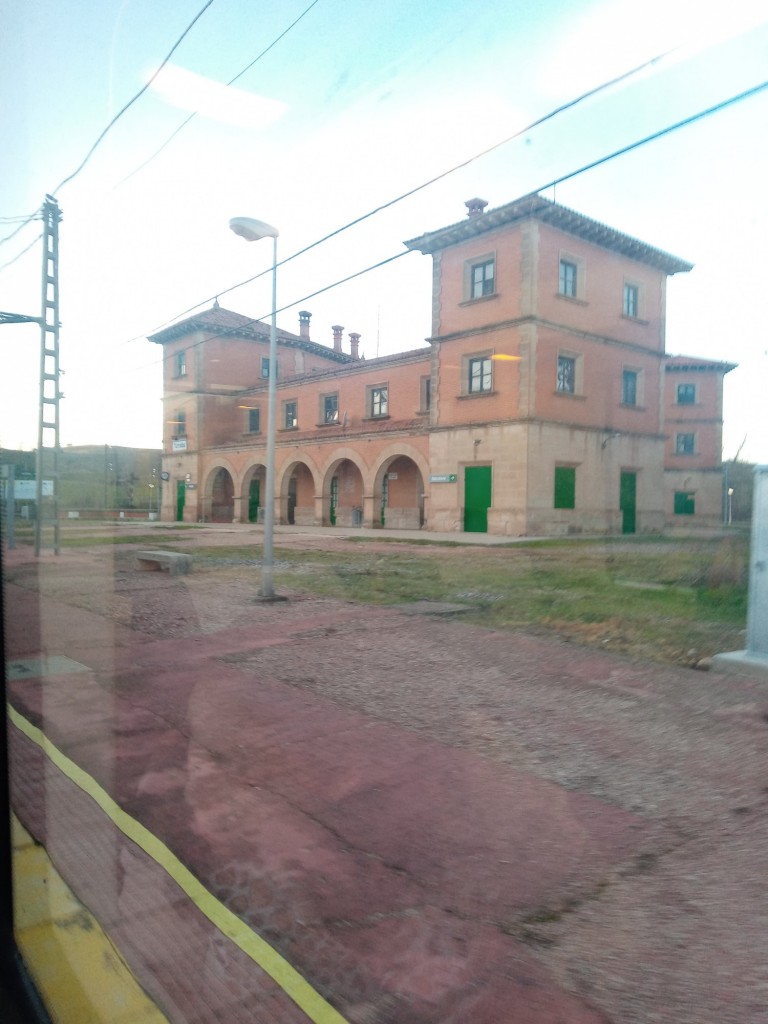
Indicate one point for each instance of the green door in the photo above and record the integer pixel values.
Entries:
(334, 500)
(628, 501)
(181, 494)
(254, 501)
(477, 498)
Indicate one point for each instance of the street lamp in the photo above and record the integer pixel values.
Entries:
(252, 230)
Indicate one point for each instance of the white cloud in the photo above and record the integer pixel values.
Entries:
(189, 91)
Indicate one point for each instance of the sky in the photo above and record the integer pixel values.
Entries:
(358, 103)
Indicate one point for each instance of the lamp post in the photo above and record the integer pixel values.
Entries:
(252, 230)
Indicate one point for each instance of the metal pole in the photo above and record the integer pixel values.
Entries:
(267, 588)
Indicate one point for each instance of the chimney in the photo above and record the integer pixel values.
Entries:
(337, 337)
(304, 318)
(354, 343)
(475, 207)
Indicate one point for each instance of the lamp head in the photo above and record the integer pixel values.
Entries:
(252, 230)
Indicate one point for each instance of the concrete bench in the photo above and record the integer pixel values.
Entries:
(175, 563)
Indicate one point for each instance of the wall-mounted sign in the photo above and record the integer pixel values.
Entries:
(179, 444)
(443, 478)
(165, 476)
(191, 487)
(26, 490)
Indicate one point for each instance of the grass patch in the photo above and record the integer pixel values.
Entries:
(663, 599)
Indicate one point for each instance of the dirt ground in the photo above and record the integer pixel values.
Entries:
(674, 929)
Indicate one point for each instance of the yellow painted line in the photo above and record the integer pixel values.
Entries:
(267, 958)
(80, 975)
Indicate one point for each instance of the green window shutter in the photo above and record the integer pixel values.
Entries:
(685, 503)
(565, 487)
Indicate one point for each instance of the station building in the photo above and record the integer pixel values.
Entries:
(543, 403)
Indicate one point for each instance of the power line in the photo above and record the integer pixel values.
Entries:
(24, 221)
(746, 94)
(20, 254)
(232, 81)
(115, 119)
(444, 174)
(130, 102)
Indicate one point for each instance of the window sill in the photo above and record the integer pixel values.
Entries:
(569, 394)
(635, 319)
(633, 406)
(571, 298)
(287, 430)
(367, 419)
(329, 423)
(480, 298)
(477, 394)
(251, 433)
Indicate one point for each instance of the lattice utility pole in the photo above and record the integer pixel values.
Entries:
(47, 465)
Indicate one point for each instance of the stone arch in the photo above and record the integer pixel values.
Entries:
(297, 489)
(219, 495)
(399, 486)
(344, 489)
(252, 493)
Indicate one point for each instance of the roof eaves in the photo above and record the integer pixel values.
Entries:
(560, 217)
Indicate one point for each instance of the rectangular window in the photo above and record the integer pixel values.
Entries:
(568, 278)
(426, 394)
(483, 279)
(180, 364)
(566, 375)
(685, 503)
(685, 444)
(686, 394)
(330, 408)
(254, 421)
(378, 401)
(180, 424)
(629, 380)
(565, 487)
(480, 375)
(290, 415)
(631, 300)
(265, 368)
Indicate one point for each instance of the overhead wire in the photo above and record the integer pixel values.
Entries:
(444, 174)
(691, 119)
(137, 96)
(232, 81)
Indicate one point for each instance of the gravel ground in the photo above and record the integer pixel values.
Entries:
(680, 933)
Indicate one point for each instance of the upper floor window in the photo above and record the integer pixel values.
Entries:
(180, 424)
(480, 374)
(378, 401)
(483, 279)
(568, 278)
(685, 444)
(330, 408)
(426, 394)
(254, 421)
(631, 306)
(180, 364)
(265, 367)
(629, 387)
(290, 415)
(686, 394)
(479, 277)
(566, 374)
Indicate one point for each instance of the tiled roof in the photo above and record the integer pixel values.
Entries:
(558, 216)
(222, 322)
(683, 364)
